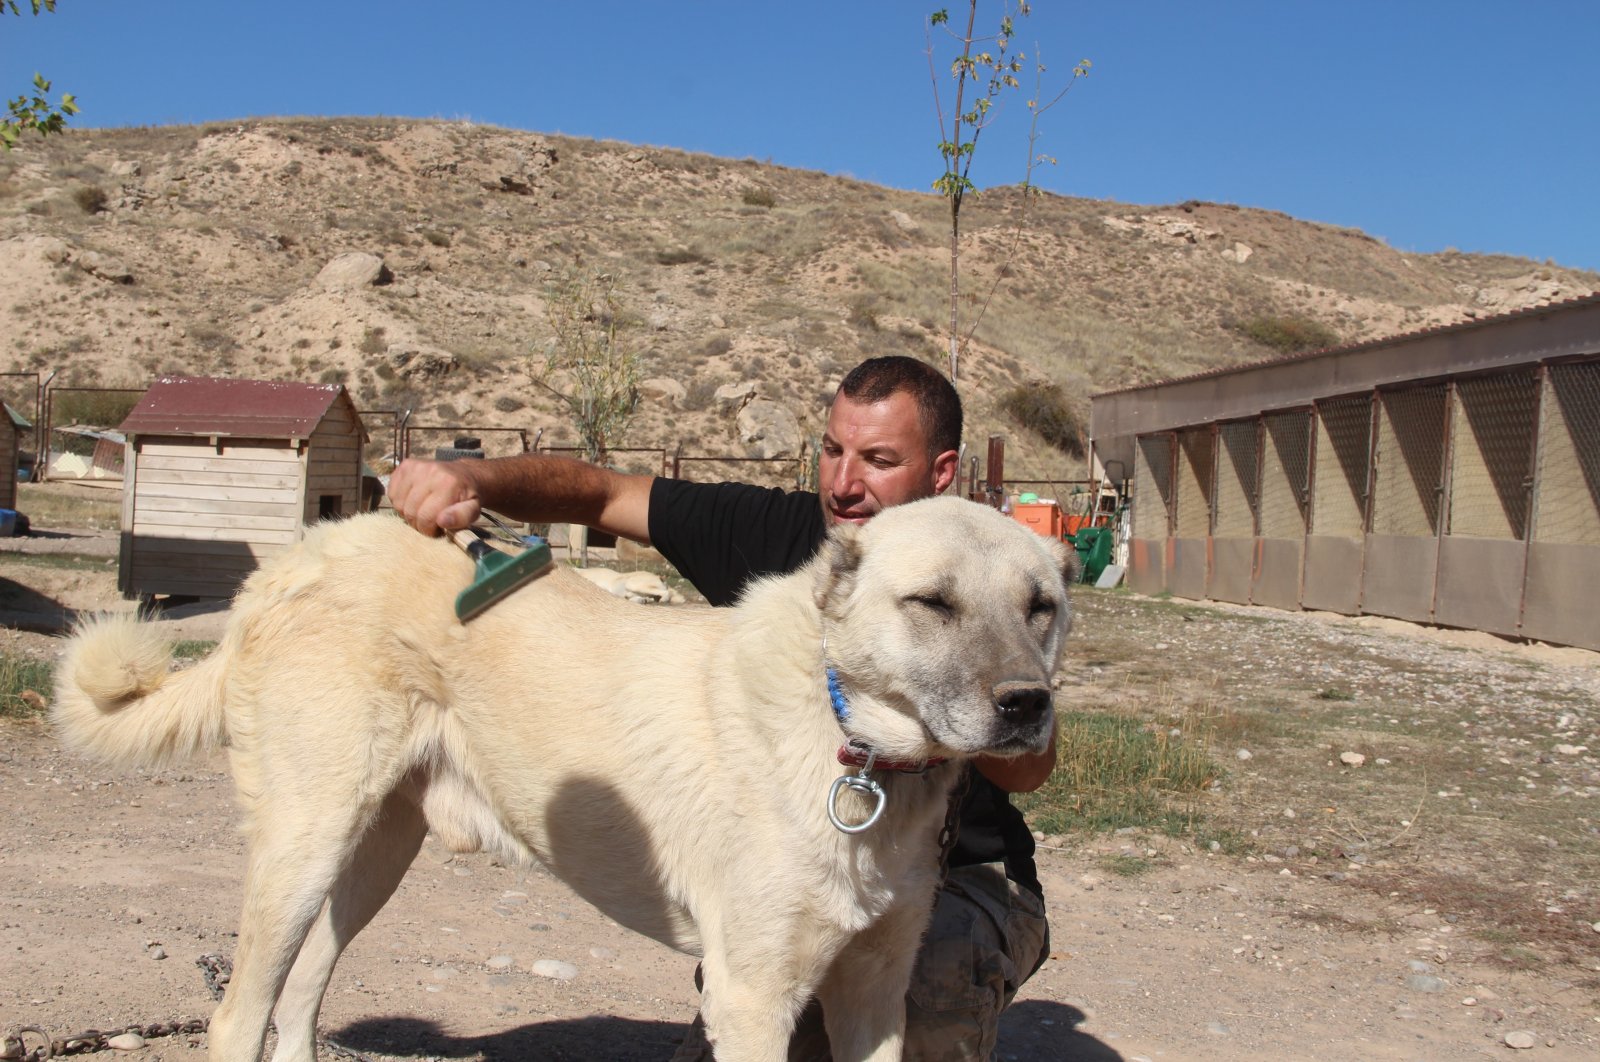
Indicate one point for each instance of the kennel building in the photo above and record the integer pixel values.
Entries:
(1448, 476)
(221, 474)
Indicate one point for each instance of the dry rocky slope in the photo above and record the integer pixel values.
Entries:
(224, 249)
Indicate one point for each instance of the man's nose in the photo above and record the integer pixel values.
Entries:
(846, 478)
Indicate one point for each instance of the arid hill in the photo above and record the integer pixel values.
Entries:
(130, 252)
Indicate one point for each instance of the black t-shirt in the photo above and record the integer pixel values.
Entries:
(722, 535)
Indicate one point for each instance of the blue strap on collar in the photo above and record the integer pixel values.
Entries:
(841, 707)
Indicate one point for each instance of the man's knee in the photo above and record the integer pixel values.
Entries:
(987, 936)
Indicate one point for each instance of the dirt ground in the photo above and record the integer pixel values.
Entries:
(113, 884)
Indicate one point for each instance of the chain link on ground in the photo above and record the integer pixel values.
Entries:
(217, 971)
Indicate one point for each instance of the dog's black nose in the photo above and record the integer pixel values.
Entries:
(1021, 702)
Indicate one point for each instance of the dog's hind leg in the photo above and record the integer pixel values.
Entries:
(297, 854)
(368, 880)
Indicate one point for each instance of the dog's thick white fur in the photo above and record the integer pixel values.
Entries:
(673, 767)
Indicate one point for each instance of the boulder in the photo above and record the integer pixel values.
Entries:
(411, 362)
(769, 430)
(104, 266)
(664, 390)
(353, 271)
(732, 397)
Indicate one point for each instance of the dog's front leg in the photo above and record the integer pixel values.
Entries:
(863, 995)
(749, 1009)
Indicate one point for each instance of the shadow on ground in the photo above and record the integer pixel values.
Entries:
(567, 1040)
(1038, 1030)
(1034, 1030)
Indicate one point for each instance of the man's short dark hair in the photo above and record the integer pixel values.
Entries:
(938, 405)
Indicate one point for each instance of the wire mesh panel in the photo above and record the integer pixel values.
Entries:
(1196, 464)
(1339, 479)
(1569, 456)
(1152, 487)
(1237, 489)
(1491, 454)
(1410, 462)
(1285, 471)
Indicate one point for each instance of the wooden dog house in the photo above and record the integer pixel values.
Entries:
(221, 474)
(12, 426)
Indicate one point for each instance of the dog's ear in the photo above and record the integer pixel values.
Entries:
(1067, 560)
(841, 560)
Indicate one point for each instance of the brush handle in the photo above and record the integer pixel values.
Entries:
(475, 547)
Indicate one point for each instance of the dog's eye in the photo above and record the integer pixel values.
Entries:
(933, 603)
(1041, 608)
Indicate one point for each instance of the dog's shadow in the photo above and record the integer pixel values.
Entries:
(1033, 1030)
(565, 1040)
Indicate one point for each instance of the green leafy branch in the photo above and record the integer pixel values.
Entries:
(34, 111)
(987, 67)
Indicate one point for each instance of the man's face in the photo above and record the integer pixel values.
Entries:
(875, 455)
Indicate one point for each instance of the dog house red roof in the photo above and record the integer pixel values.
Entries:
(203, 405)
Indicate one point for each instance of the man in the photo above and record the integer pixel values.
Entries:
(892, 436)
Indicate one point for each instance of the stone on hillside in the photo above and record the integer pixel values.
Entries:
(1239, 252)
(769, 430)
(905, 222)
(47, 248)
(104, 266)
(1352, 759)
(731, 397)
(353, 271)
(409, 361)
(663, 389)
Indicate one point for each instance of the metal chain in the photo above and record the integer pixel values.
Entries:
(217, 971)
(14, 1046)
(952, 820)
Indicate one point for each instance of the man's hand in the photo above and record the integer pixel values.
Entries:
(434, 496)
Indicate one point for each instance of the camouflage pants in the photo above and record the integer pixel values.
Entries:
(986, 938)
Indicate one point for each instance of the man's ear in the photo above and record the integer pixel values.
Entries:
(836, 576)
(945, 469)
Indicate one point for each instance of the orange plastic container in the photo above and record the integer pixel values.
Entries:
(1043, 517)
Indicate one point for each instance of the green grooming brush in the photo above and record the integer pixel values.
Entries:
(497, 573)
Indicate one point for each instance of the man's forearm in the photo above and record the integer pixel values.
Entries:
(544, 488)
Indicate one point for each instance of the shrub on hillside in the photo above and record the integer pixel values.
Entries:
(1287, 334)
(91, 198)
(759, 197)
(1045, 411)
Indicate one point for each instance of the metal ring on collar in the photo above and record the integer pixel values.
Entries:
(866, 787)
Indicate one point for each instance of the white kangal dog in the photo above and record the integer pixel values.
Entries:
(676, 768)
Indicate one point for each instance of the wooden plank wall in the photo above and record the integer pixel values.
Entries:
(334, 465)
(205, 514)
(8, 461)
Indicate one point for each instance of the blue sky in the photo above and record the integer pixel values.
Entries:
(1429, 124)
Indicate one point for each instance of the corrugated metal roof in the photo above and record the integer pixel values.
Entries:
(1382, 341)
(203, 405)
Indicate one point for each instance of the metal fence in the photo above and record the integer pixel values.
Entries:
(1470, 501)
(1285, 474)
(1568, 476)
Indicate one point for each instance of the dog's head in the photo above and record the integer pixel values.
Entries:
(945, 621)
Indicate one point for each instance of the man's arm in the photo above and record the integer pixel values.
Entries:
(539, 488)
(1019, 774)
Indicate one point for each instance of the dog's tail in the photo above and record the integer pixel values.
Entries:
(116, 698)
